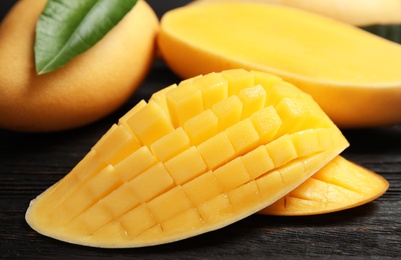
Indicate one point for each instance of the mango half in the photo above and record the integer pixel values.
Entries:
(196, 157)
(353, 75)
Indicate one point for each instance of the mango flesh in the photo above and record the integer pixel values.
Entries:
(339, 185)
(196, 157)
(353, 75)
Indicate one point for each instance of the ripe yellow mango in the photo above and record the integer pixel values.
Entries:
(89, 87)
(339, 185)
(187, 162)
(353, 75)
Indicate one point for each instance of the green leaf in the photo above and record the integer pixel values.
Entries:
(67, 28)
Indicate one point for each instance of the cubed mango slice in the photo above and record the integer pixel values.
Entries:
(339, 185)
(189, 162)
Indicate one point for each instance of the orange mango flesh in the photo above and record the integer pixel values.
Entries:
(339, 185)
(196, 157)
(353, 75)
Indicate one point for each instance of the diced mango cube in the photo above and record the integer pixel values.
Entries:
(201, 127)
(186, 165)
(159, 97)
(253, 99)
(214, 88)
(170, 145)
(215, 209)
(89, 221)
(111, 142)
(169, 204)
(116, 205)
(281, 150)
(306, 142)
(282, 90)
(238, 79)
(314, 161)
(184, 103)
(103, 183)
(292, 172)
(298, 116)
(243, 136)
(228, 111)
(132, 111)
(232, 174)
(89, 166)
(141, 216)
(240, 196)
(270, 184)
(135, 164)
(150, 123)
(93, 190)
(152, 182)
(257, 162)
(294, 111)
(195, 189)
(216, 150)
(267, 123)
(266, 80)
(189, 219)
(130, 146)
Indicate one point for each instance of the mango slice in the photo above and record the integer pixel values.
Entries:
(196, 157)
(353, 75)
(339, 185)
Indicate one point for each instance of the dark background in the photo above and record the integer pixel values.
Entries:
(30, 163)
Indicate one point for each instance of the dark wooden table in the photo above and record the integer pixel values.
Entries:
(29, 163)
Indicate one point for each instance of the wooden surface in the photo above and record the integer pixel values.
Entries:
(29, 163)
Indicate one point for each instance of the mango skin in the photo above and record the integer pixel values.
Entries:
(88, 88)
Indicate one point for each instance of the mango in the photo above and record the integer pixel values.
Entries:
(188, 162)
(339, 185)
(353, 75)
(91, 86)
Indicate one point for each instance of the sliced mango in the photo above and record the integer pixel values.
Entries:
(339, 185)
(188, 162)
(353, 75)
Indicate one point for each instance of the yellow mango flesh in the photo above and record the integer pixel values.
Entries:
(339, 185)
(353, 75)
(188, 162)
